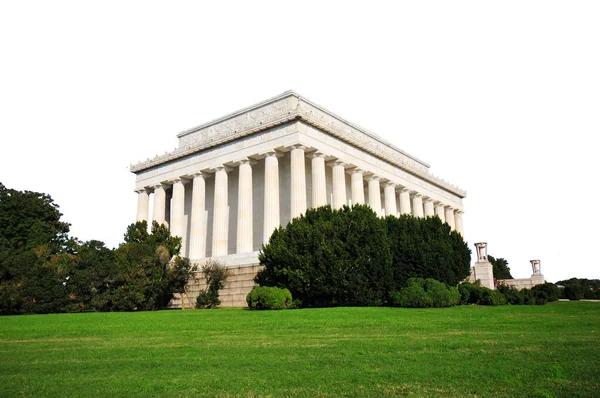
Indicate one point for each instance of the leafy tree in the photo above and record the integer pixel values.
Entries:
(34, 253)
(426, 248)
(329, 257)
(500, 267)
(146, 271)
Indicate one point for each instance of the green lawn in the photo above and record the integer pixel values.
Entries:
(551, 350)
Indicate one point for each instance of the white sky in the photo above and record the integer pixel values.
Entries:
(501, 98)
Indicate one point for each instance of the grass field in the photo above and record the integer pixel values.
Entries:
(551, 350)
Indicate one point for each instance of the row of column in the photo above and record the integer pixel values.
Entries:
(420, 206)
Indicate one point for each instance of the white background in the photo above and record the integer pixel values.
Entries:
(501, 98)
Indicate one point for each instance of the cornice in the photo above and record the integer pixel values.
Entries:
(284, 108)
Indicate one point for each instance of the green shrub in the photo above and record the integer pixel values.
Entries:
(439, 293)
(330, 257)
(471, 293)
(454, 296)
(351, 257)
(512, 295)
(413, 296)
(269, 298)
(492, 297)
(551, 290)
(216, 276)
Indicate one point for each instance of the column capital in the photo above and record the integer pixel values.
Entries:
(355, 170)
(418, 195)
(271, 153)
(427, 199)
(374, 177)
(199, 173)
(175, 180)
(450, 208)
(297, 146)
(334, 163)
(160, 185)
(405, 190)
(222, 167)
(390, 184)
(241, 161)
(142, 190)
(458, 211)
(316, 154)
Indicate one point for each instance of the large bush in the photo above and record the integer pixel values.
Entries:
(352, 257)
(427, 248)
(269, 298)
(422, 293)
(330, 258)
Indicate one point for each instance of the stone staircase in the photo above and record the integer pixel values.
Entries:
(239, 284)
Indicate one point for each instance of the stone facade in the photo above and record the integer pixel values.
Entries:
(526, 283)
(233, 180)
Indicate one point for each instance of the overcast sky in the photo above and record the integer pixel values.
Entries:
(500, 98)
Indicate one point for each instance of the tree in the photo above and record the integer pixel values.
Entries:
(147, 271)
(500, 268)
(351, 256)
(35, 253)
(330, 257)
(426, 248)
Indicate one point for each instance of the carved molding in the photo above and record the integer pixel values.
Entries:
(287, 108)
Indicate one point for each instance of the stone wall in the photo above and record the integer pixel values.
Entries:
(239, 284)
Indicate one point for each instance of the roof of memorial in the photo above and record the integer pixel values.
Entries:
(284, 108)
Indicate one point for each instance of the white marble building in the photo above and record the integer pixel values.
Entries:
(233, 180)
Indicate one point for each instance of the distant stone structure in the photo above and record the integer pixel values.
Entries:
(482, 270)
(233, 180)
(536, 278)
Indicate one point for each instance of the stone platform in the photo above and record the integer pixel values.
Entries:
(239, 284)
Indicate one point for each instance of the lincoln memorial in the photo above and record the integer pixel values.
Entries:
(235, 179)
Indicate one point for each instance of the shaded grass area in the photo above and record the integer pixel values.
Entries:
(551, 350)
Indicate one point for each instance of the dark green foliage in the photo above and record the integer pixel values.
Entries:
(35, 254)
(513, 296)
(426, 248)
(471, 293)
(577, 289)
(492, 297)
(330, 257)
(422, 293)
(216, 276)
(500, 268)
(146, 271)
(352, 257)
(552, 291)
(269, 298)
(42, 270)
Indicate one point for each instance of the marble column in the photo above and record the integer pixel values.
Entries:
(143, 202)
(271, 203)
(319, 190)
(339, 184)
(450, 217)
(357, 185)
(389, 193)
(440, 210)
(160, 199)
(429, 211)
(220, 241)
(458, 223)
(405, 201)
(298, 181)
(198, 218)
(244, 242)
(375, 194)
(178, 203)
(417, 205)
